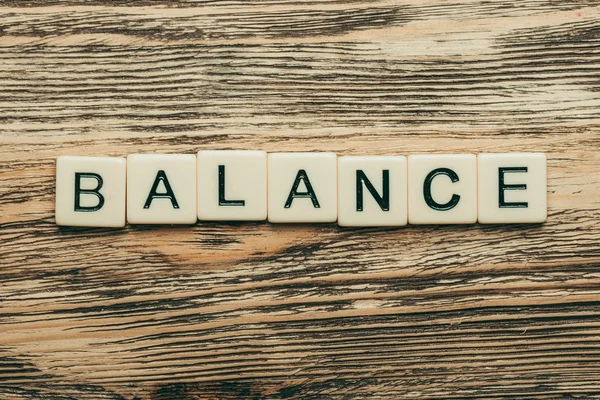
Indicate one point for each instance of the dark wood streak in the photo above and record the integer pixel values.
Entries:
(257, 311)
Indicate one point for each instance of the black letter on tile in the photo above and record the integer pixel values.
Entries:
(383, 200)
(301, 176)
(94, 192)
(502, 187)
(161, 177)
(222, 200)
(427, 190)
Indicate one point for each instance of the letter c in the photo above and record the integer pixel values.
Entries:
(427, 190)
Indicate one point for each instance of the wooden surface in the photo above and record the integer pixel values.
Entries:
(252, 310)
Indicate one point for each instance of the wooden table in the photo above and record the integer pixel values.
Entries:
(254, 310)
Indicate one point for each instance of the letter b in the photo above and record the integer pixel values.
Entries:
(94, 192)
(90, 191)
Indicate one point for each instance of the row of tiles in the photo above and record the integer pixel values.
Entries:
(222, 185)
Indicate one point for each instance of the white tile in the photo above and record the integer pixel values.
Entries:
(302, 187)
(372, 191)
(90, 191)
(512, 188)
(232, 185)
(161, 189)
(442, 189)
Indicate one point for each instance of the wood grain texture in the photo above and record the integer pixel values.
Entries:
(253, 310)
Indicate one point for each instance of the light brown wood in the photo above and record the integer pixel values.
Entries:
(253, 310)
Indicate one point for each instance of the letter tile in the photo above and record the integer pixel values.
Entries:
(161, 189)
(302, 187)
(372, 191)
(232, 185)
(442, 189)
(90, 191)
(512, 188)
